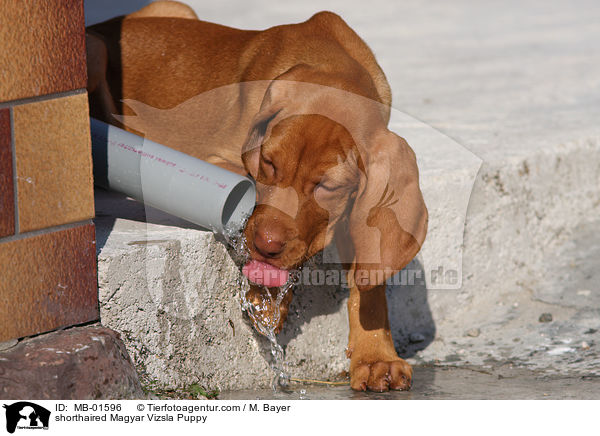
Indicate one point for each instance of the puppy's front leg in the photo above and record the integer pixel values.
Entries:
(374, 364)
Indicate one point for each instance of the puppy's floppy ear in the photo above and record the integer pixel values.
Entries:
(388, 221)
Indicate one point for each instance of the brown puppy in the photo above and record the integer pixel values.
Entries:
(303, 109)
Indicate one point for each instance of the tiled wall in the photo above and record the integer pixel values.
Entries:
(47, 243)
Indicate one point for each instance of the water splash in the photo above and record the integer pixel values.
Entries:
(264, 325)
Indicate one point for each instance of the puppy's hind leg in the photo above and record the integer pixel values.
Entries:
(165, 8)
(102, 105)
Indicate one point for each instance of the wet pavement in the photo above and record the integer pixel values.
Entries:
(538, 341)
(449, 383)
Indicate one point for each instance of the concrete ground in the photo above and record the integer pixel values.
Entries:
(550, 324)
(501, 103)
(449, 383)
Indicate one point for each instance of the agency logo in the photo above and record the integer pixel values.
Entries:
(26, 415)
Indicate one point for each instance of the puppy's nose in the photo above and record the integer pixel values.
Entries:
(269, 241)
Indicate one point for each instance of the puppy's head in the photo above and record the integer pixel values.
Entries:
(305, 180)
(322, 164)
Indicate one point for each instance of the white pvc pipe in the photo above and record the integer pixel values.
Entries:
(169, 180)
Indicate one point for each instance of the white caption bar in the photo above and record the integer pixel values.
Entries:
(90, 418)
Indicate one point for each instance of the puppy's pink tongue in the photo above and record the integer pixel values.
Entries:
(262, 273)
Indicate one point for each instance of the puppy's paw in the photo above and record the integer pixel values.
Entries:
(380, 376)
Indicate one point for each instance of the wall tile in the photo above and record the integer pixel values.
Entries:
(48, 281)
(43, 48)
(7, 202)
(54, 163)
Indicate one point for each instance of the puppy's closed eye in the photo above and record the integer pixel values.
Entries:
(329, 190)
(268, 168)
(324, 190)
(327, 185)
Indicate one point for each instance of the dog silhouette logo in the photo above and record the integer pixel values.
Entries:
(26, 415)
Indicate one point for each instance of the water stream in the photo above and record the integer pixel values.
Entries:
(264, 325)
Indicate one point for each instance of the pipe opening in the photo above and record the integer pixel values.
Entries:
(238, 206)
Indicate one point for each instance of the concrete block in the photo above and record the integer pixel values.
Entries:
(174, 295)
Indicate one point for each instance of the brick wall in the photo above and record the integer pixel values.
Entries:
(47, 241)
